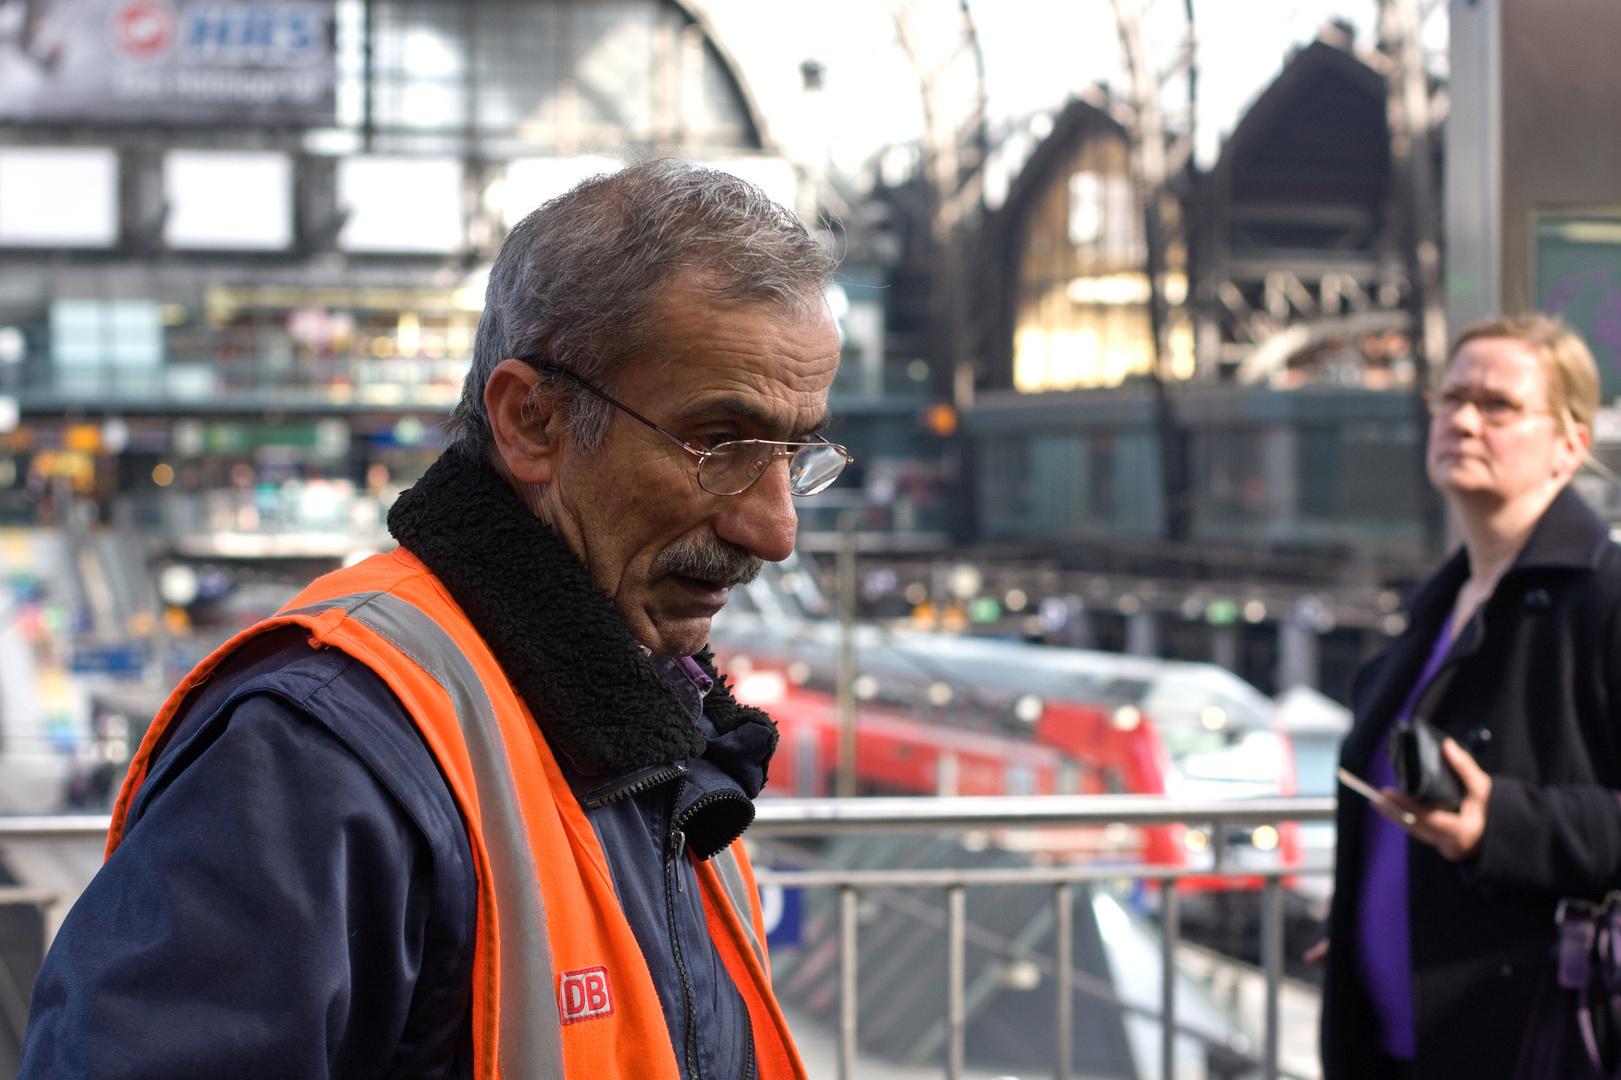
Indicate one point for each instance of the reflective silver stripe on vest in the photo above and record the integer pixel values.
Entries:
(530, 1032)
(737, 891)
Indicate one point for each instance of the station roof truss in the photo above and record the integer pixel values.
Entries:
(1296, 251)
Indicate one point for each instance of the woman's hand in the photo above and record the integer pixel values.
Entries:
(1455, 835)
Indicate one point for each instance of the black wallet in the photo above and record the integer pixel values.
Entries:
(1422, 771)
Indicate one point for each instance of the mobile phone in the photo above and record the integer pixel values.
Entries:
(1374, 795)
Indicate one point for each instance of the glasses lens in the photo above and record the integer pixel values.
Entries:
(731, 467)
(814, 467)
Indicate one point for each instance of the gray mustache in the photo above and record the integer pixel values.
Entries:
(709, 559)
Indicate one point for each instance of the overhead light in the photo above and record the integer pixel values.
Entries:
(1126, 718)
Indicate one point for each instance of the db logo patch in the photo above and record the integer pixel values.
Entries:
(584, 995)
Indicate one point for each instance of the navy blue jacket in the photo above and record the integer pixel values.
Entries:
(295, 892)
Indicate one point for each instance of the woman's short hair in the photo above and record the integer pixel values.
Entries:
(1573, 379)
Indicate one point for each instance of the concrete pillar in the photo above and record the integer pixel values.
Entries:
(1224, 647)
(1078, 628)
(1297, 655)
(1142, 634)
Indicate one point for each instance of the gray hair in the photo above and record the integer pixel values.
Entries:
(577, 282)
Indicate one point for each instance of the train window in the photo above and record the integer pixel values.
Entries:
(1252, 765)
(1126, 689)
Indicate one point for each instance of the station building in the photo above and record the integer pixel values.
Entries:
(242, 245)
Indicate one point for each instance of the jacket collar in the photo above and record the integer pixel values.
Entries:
(1568, 536)
(595, 692)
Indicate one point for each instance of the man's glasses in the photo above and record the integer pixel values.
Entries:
(1494, 410)
(729, 468)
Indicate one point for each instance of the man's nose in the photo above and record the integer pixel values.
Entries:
(762, 518)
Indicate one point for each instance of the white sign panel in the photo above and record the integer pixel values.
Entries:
(167, 60)
(58, 197)
(400, 204)
(225, 200)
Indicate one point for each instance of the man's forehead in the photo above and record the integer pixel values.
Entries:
(756, 362)
(803, 414)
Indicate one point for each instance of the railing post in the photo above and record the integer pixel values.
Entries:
(1170, 934)
(844, 693)
(1064, 915)
(956, 907)
(847, 983)
(1272, 961)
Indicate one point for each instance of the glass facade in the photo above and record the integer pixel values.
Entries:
(233, 328)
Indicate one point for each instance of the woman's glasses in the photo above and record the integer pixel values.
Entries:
(1494, 410)
(730, 467)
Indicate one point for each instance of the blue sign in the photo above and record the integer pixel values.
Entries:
(780, 909)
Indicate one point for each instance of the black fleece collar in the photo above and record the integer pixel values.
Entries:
(592, 688)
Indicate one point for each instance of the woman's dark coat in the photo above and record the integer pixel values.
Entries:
(1532, 687)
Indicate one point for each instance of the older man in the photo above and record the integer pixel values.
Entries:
(472, 808)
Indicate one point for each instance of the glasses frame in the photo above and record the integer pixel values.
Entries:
(1435, 403)
(787, 449)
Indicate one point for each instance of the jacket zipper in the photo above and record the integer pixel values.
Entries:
(679, 836)
(634, 784)
(748, 1046)
(675, 846)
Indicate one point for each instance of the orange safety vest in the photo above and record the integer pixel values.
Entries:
(560, 988)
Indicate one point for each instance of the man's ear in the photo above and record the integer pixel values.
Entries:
(527, 426)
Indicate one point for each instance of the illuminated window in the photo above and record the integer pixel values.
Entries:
(230, 201)
(1104, 224)
(400, 204)
(52, 197)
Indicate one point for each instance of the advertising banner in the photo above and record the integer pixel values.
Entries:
(167, 61)
(1578, 278)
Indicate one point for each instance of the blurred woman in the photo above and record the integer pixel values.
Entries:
(1441, 928)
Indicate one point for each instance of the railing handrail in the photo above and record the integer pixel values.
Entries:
(818, 817)
(946, 877)
(55, 826)
(821, 817)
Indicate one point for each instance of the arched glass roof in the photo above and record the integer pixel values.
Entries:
(555, 77)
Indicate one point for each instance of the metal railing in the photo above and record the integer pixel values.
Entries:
(834, 817)
(55, 827)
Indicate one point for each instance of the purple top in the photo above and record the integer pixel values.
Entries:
(1384, 946)
(697, 675)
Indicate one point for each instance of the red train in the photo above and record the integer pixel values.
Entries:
(943, 715)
